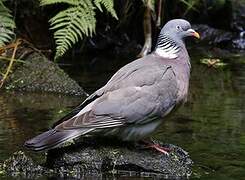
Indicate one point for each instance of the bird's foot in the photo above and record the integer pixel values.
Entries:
(159, 148)
(156, 146)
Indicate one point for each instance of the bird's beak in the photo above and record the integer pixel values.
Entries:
(192, 32)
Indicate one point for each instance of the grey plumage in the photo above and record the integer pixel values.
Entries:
(135, 100)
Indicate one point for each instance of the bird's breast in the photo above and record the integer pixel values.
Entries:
(183, 85)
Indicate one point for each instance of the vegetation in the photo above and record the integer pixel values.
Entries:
(212, 62)
(69, 25)
(190, 5)
(75, 22)
(78, 20)
(7, 24)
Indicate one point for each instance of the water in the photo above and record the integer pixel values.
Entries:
(23, 115)
(211, 126)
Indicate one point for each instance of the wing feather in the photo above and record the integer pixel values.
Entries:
(140, 102)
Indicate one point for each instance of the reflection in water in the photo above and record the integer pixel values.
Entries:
(25, 115)
(211, 126)
(9, 126)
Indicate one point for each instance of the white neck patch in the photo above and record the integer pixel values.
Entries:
(167, 47)
(167, 53)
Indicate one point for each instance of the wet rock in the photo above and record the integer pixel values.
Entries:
(238, 15)
(94, 160)
(239, 41)
(228, 33)
(220, 37)
(19, 165)
(212, 35)
(37, 73)
(238, 23)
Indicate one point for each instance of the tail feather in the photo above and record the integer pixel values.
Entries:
(53, 138)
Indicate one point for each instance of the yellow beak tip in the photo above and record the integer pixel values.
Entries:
(196, 35)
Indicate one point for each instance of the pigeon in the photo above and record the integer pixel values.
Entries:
(137, 98)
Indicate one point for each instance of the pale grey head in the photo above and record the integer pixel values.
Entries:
(171, 37)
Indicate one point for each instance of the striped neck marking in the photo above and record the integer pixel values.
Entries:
(166, 47)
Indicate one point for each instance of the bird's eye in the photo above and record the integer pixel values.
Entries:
(178, 27)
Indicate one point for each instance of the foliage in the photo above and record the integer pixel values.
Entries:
(190, 5)
(7, 24)
(75, 22)
(151, 4)
(10, 65)
(210, 62)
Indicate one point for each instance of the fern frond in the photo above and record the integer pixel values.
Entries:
(50, 2)
(75, 22)
(71, 24)
(109, 6)
(7, 24)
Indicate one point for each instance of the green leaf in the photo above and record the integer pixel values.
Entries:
(51, 2)
(191, 4)
(109, 6)
(7, 25)
(211, 62)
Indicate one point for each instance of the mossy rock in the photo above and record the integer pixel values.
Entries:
(97, 158)
(120, 159)
(37, 73)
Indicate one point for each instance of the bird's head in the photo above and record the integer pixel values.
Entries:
(172, 35)
(178, 29)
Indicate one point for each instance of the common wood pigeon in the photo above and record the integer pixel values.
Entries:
(136, 100)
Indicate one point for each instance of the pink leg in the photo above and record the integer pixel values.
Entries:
(157, 147)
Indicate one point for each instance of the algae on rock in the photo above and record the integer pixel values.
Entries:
(97, 158)
(37, 73)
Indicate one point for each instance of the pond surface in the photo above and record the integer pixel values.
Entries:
(211, 126)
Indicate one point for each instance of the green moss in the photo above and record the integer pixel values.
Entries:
(40, 74)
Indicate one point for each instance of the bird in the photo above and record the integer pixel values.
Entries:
(137, 98)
